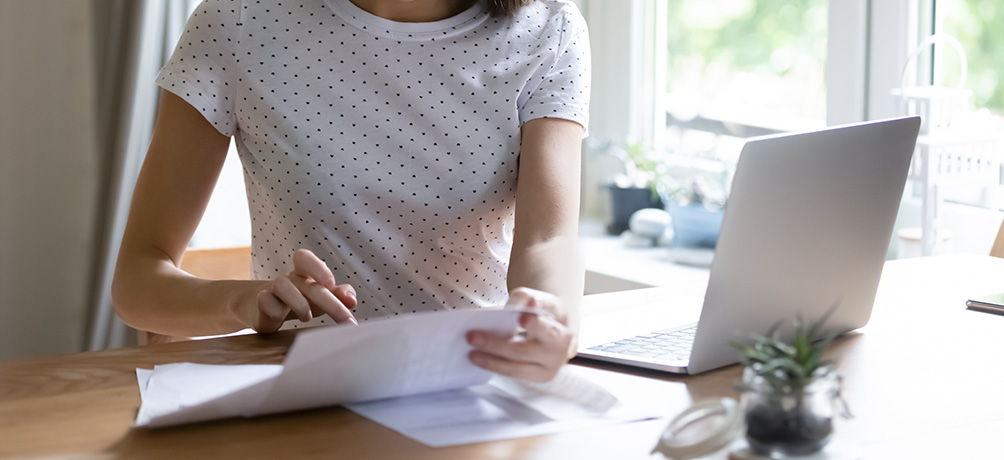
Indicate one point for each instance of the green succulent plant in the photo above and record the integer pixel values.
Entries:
(786, 411)
(788, 367)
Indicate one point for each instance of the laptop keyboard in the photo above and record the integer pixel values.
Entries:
(669, 344)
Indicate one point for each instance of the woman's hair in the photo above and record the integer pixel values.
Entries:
(507, 8)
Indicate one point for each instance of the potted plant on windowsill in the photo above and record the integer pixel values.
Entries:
(695, 201)
(790, 392)
(636, 188)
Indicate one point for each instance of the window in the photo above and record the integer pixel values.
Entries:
(735, 69)
(957, 172)
(753, 63)
(690, 80)
(694, 78)
(976, 24)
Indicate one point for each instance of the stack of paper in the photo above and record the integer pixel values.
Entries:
(327, 366)
(413, 371)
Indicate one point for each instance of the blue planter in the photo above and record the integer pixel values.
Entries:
(695, 226)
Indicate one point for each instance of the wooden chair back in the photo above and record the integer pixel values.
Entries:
(233, 263)
(998, 248)
(230, 263)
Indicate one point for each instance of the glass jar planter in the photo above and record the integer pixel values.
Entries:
(782, 421)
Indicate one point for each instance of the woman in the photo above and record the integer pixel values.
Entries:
(381, 142)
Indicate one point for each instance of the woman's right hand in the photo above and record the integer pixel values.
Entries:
(307, 291)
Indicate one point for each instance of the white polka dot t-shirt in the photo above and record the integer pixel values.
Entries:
(388, 149)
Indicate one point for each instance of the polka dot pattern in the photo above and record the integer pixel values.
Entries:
(389, 149)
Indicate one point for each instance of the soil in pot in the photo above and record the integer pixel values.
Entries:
(786, 432)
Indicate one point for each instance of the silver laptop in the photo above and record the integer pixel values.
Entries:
(808, 222)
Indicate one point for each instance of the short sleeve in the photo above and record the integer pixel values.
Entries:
(563, 91)
(202, 69)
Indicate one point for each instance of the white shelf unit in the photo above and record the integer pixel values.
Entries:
(947, 158)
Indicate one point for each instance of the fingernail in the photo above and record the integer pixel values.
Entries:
(353, 321)
(477, 359)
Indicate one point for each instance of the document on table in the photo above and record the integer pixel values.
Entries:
(409, 374)
(507, 408)
(326, 366)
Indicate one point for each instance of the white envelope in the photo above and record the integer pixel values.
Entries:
(325, 366)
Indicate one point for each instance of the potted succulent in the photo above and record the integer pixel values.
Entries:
(695, 196)
(790, 392)
(635, 188)
(691, 188)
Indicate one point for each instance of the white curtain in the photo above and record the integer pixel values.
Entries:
(148, 29)
(49, 162)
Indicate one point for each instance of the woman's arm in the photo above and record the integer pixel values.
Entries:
(151, 293)
(545, 253)
(545, 256)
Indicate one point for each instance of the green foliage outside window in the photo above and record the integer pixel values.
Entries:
(746, 34)
(779, 38)
(732, 58)
(979, 26)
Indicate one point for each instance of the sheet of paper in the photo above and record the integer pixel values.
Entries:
(568, 396)
(189, 392)
(383, 359)
(491, 412)
(326, 366)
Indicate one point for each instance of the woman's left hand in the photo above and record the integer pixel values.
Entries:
(540, 354)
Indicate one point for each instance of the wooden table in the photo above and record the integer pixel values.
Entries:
(924, 380)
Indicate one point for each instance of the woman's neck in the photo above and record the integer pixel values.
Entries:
(414, 10)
